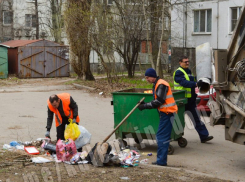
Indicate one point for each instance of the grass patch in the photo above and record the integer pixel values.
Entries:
(136, 82)
(14, 78)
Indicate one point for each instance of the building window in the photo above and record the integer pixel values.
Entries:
(235, 12)
(133, 2)
(30, 20)
(109, 2)
(203, 20)
(165, 23)
(7, 17)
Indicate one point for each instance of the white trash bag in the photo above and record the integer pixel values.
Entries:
(84, 138)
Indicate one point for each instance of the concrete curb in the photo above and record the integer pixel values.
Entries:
(83, 86)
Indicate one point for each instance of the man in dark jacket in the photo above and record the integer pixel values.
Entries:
(184, 80)
(64, 108)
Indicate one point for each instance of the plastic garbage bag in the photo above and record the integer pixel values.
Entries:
(14, 143)
(84, 137)
(40, 160)
(72, 131)
(65, 149)
(7, 147)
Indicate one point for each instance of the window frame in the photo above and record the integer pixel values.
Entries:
(238, 8)
(31, 21)
(30, 1)
(206, 21)
(109, 4)
(5, 17)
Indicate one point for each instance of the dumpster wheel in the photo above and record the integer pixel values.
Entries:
(182, 142)
(170, 150)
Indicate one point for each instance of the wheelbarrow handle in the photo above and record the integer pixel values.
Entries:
(135, 107)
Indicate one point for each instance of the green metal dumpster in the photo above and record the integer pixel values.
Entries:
(144, 124)
(3, 62)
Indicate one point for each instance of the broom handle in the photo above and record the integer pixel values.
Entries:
(135, 107)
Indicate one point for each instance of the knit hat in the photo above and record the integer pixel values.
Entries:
(151, 73)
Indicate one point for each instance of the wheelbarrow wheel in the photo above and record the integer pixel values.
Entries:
(138, 141)
(170, 150)
(182, 142)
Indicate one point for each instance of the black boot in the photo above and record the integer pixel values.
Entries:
(207, 139)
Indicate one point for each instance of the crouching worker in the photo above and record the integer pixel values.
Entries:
(165, 103)
(64, 107)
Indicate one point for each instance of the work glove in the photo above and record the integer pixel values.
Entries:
(74, 121)
(47, 134)
(141, 106)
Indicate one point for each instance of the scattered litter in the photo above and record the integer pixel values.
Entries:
(144, 161)
(83, 155)
(20, 147)
(41, 139)
(83, 162)
(100, 93)
(31, 150)
(150, 154)
(129, 158)
(7, 147)
(14, 143)
(125, 178)
(75, 158)
(103, 172)
(49, 146)
(27, 143)
(15, 173)
(40, 160)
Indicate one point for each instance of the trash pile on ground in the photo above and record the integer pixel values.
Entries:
(43, 150)
(129, 158)
(75, 149)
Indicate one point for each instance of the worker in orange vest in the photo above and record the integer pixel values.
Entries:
(165, 103)
(64, 107)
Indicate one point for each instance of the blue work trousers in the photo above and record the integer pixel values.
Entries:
(200, 127)
(163, 137)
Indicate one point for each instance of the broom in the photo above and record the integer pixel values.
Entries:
(100, 149)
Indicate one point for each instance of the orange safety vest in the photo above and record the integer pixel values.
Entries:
(169, 106)
(65, 98)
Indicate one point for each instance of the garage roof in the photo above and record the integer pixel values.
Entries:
(18, 43)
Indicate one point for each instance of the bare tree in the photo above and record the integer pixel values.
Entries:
(57, 22)
(102, 39)
(128, 30)
(79, 20)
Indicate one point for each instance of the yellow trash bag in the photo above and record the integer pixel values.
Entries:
(72, 131)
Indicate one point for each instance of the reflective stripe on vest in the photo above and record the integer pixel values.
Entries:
(169, 105)
(65, 98)
(179, 87)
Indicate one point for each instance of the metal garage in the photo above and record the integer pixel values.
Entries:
(37, 58)
(3, 62)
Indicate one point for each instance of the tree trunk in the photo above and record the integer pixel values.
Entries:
(147, 37)
(159, 67)
(130, 72)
